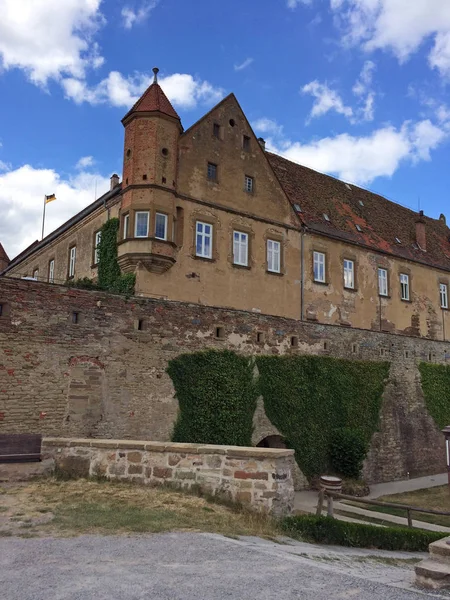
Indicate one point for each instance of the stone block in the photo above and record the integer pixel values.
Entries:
(173, 459)
(214, 461)
(73, 466)
(244, 497)
(117, 469)
(134, 469)
(245, 475)
(162, 472)
(184, 475)
(134, 457)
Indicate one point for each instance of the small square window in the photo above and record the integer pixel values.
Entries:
(220, 333)
(246, 143)
(75, 318)
(294, 341)
(216, 130)
(248, 184)
(260, 337)
(212, 172)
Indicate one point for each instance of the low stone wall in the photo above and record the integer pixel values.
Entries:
(258, 477)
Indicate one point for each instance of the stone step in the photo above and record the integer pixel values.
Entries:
(440, 551)
(433, 575)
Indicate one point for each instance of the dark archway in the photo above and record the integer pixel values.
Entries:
(272, 441)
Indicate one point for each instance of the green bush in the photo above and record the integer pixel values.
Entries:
(348, 449)
(217, 398)
(325, 530)
(124, 284)
(308, 397)
(84, 283)
(436, 389)
(108, 267)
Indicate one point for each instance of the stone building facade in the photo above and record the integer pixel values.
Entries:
(208, 216)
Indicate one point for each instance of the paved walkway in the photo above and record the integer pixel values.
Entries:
(407, 485)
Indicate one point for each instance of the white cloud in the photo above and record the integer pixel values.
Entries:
(182, 89)
(325, 100)
(247, 62)
(363, 159)
(294, 3)
(135, 16)
(49, 38)
(364, 82)
(85, 162)
(400, 26)
(267, 126)
(21, 197)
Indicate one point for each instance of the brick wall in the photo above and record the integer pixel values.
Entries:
(258, 477)
(102, 377)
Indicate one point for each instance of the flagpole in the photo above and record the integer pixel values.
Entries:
(43, 217)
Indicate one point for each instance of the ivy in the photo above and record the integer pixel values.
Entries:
(217, 398)
(109, 276)
(436, 389)
(308, 397)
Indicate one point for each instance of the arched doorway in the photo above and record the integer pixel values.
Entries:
(272, 441)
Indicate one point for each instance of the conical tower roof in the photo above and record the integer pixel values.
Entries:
(153, 100)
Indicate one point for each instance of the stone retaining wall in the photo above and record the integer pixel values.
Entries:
(258, 477)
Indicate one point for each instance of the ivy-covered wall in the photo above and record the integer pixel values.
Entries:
(436, 389)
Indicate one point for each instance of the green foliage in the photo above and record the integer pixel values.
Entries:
(325, 530)
(84, 283)
(348, 449)
(307, 397)
(124, 284)
(436, 389)
(217, 398)
(108, 267)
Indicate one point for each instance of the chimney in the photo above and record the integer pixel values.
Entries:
(114, 181)
(442, 219)
(421, 233)
(262, 143)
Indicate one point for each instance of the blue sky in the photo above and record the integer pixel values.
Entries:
(354, 88)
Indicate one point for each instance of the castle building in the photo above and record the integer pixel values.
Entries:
(209, 216)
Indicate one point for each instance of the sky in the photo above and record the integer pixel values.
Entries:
(354, 88)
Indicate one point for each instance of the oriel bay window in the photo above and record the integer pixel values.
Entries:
(240, 248)
(319, 267)
(161, 226)
(349, 274)
(273, 256)
(141, 221)
(203, 239)
(404, 286)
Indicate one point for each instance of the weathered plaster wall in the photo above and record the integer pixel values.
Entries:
(102, 377)
(258, 477)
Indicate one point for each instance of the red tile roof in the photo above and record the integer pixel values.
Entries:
(385, 226)
(153, 100)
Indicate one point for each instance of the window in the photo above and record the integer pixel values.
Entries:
(349, 274)
(240, 248)
(246, 143)
(161, 226)
(212, 172)
(404, 286)
(126, 221)
(72, 259)
(203, 239)
(319, 267)
(141, 224)
(97, 238)
(51, 271)
(383, 282)
(273, 256)
(248, 184)
(216, 130)
(443, 292)
(36, 274)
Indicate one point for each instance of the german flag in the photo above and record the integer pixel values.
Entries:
(50, 198)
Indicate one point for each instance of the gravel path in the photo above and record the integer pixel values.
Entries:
(188, 566)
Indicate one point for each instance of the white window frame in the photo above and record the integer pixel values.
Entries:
(97, 238)
(405, 292)
(72, 261)
(201, 234)
(240, 248)
(349, 274)
(126, 225)
(248, 184)
(141, 212)
(274, 256)
(51, 271)
(383, 285)
(443, 294)
(36, 274)
(319, 267)
(164, 216)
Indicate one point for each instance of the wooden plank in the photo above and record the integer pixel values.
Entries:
(20, 447)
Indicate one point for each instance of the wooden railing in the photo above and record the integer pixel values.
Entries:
(331, 496)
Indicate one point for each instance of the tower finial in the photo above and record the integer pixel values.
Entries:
(155, 71)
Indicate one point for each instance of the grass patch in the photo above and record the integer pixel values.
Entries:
(84, 506)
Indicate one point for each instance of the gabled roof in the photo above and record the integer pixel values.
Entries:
(3, 255)
(153, 100)
(359, 216)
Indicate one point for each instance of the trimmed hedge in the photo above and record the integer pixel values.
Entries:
(326, 530)
(217, 398)
(308, 397)
(436, 389)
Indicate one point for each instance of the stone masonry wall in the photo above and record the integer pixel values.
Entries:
(74, 363)
(258, 477)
